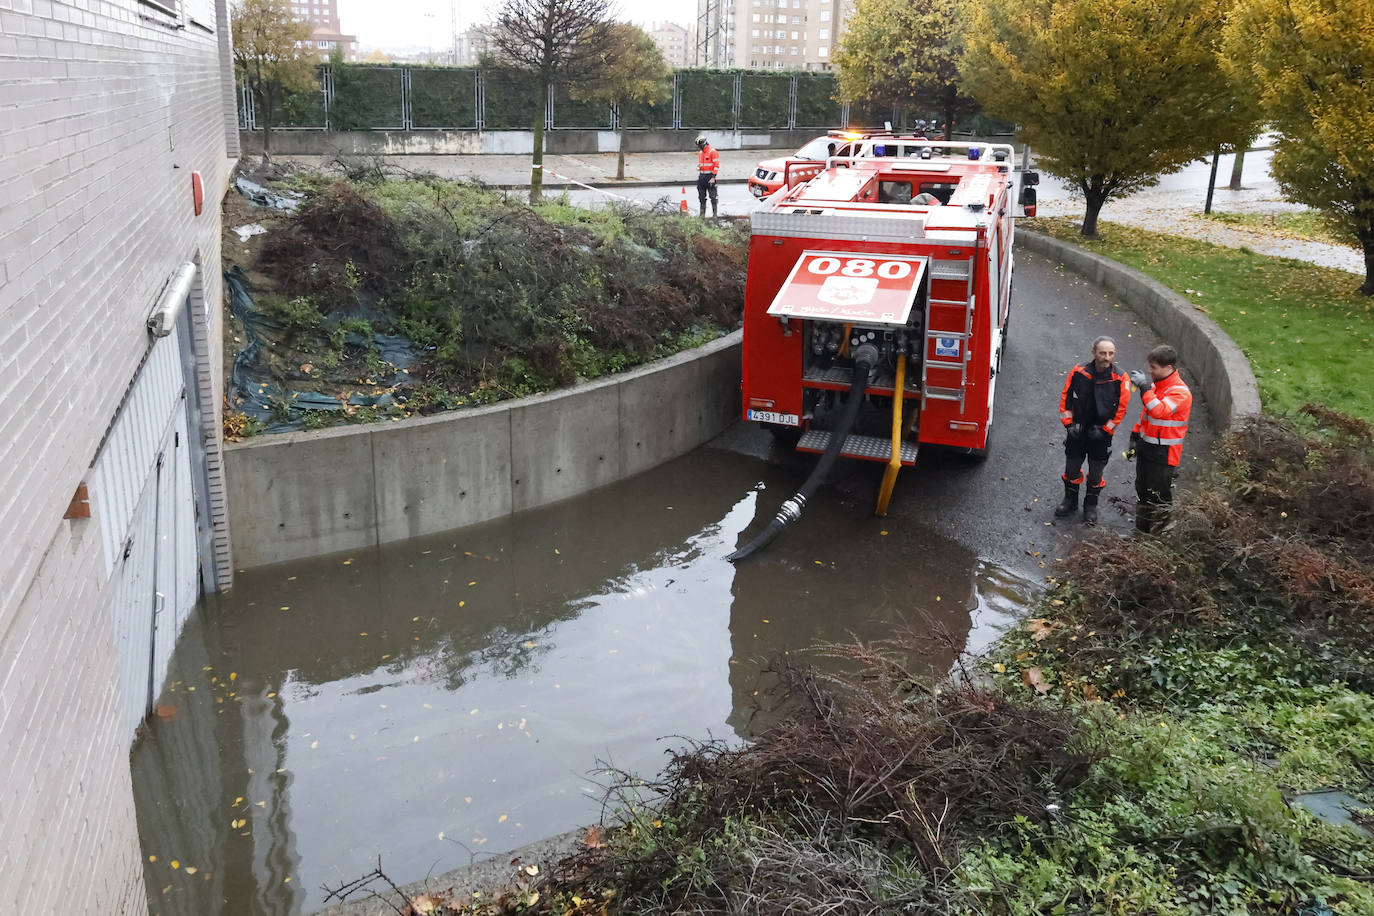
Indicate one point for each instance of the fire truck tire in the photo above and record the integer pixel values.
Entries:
(979, 455)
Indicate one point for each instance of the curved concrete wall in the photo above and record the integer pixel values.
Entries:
(302, 494)
(1220, 367)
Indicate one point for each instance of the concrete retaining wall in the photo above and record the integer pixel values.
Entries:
(303, 494)
(1214, 359)
(472, 142)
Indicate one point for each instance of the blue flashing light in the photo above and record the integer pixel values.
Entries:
(974, 153)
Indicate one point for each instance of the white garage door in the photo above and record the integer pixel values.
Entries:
(142, 483)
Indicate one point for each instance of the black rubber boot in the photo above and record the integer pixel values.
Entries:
(714, 212)
(1070, 504)
(1090, 508)
(1144, 517)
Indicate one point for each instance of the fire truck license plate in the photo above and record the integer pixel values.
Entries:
(768, 416)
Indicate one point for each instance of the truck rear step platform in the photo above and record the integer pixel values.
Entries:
(868, 448)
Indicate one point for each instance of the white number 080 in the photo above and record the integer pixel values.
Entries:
(859, 267)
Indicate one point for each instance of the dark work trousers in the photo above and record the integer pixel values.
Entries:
(706, 186)
(1096, 451)
(1154, 490)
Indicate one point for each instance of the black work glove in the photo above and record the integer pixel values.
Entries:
(1075, 430)
(1097, 433)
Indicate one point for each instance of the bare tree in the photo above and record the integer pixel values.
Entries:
(557, 43)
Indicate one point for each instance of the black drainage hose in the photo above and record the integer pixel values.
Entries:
(865, 358)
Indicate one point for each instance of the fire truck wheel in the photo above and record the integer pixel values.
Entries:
(979, 455)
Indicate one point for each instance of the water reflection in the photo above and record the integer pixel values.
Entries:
(451, 694)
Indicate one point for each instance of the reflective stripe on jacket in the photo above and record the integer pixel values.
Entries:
(1079, 403)
(1164, 416)
(708, 160)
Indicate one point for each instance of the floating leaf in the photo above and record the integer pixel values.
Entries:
(502, 819)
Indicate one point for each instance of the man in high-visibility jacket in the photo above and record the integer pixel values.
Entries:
(1157, 437)
(708, 167)
(1091, 407)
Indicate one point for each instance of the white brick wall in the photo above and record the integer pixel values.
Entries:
(106, 108)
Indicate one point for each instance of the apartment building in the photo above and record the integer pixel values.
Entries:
(674, 41)
(787, 34)
(117, 129)
(325, 31)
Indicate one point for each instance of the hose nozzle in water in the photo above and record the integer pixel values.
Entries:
(865, 358)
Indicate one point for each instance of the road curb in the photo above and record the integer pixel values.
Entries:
(1220, 366)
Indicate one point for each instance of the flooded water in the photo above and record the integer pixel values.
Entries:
(458, 694)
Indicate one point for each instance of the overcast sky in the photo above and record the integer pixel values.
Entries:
(426, 23)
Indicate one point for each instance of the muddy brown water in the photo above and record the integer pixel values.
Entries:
(460, 695)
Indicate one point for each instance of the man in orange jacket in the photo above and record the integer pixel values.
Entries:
(1093, 404)
(708, 167)
(1157, 437)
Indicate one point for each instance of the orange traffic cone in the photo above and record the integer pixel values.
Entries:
(684, 208)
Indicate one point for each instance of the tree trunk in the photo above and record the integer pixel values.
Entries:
(1367, 241)
(268, 112)
(1094, 197)
(620, 160)
(537, 163)
(1236, 168)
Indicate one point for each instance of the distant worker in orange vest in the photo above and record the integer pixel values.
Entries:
(1157, 438)
(1091, 407)
(708, 167)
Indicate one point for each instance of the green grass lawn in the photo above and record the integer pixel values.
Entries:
(1308, 225)
(1305, 329)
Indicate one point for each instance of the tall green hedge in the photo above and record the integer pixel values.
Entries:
(568, 112)
(301, 109)
(765, 100)
(816, 104)
(443, 97)
(369, 96)
(708, 98)
(366, 97)
(872, 114)
(642, 114)
(511, 101)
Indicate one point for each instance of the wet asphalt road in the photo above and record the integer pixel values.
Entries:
(1001, 508)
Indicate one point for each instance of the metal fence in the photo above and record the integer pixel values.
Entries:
(364, 97)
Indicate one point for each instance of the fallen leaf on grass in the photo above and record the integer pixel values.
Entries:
(593, 837)
(1039, 627)
(1034, 678)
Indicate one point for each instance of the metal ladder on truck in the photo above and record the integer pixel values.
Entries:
(949, 270)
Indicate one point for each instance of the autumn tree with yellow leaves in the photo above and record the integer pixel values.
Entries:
(1111, 94)
(1312, 64)
(632, 71)
(270, 57)
(905, 51)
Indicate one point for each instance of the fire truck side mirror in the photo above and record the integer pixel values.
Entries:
(1028, 201)
(1030, 179)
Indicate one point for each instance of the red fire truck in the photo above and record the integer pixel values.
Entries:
(876, 303)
